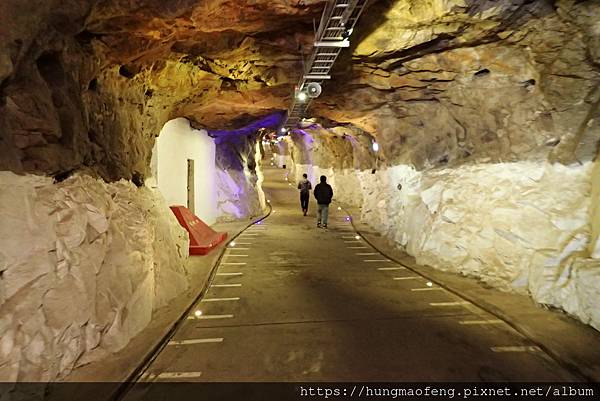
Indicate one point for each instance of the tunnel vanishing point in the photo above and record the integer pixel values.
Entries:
(460, 138)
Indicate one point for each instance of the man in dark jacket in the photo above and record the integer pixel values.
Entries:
(304, 187)
(323, 194)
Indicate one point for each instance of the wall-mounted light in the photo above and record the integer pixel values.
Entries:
(375, 147)
(302, 96)
(283, 130)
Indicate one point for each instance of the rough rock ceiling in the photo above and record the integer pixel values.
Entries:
(88, 85)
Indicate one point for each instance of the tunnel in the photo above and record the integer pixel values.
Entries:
(153, 157)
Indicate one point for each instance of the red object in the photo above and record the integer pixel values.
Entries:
(202, 238)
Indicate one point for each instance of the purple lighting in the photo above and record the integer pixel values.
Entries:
(271, 121)
(347, 218)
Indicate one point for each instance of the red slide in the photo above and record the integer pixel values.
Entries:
(202, 237)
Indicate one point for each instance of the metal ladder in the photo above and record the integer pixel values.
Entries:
(339, 17)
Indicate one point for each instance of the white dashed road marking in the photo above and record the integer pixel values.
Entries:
(391, 268)
(457, 303)
(206, 317)
(407, 278)
(367, 254)
(225, 285)
(479, 322)
(230, 274)
(220, 299)
(376, 260)
(234, 263)
(517, 348)
(427, 289)
(171, 375)
(196, 341)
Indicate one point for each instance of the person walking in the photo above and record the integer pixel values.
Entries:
(304, 186)
(323, 194)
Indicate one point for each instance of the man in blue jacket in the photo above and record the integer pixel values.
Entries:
(323, 194)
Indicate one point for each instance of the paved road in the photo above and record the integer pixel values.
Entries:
(291, 302)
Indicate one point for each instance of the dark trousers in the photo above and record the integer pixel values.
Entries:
(304, 200)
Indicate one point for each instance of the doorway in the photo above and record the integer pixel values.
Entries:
(191, 193)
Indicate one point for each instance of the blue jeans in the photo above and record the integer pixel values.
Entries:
(322, 214)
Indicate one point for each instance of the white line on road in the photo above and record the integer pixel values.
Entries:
(427, 289)
(225, 285)
(473, 322)
(242, 243)
(391, 268)
(229, 274)
(233, 263)
(376, 260)
(407, 278)
(358, 247)
(517, 348)
(171, 375)
(356, 240)
(239, 255)
(457, 303)
(238, 249)
(204, 317)
(220, 299)
(368, 254)
(196, 341)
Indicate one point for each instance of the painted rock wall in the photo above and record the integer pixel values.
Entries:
(83, 265)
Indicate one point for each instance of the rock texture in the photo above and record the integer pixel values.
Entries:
(90, 84)
(239, 194)
(83, 265)
(441, 83)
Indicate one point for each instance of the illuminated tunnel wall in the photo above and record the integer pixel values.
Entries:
(177, 143)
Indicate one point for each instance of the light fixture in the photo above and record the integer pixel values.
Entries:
(347, 32)
(357, 237)
(347, 218)
(283, 130)
(198, 313)
(268, 201)
(429, 284)
(375, 147)
(302, 96)
(232, 243)
(339, 208)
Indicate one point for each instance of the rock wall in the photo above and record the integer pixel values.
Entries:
(520, 226)
(83, 265)
(595, 211)
(239, 193)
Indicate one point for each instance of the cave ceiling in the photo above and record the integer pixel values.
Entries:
(90, 83)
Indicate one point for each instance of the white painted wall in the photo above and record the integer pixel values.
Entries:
(177, 143)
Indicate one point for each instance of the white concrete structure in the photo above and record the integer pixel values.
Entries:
(183, 166)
